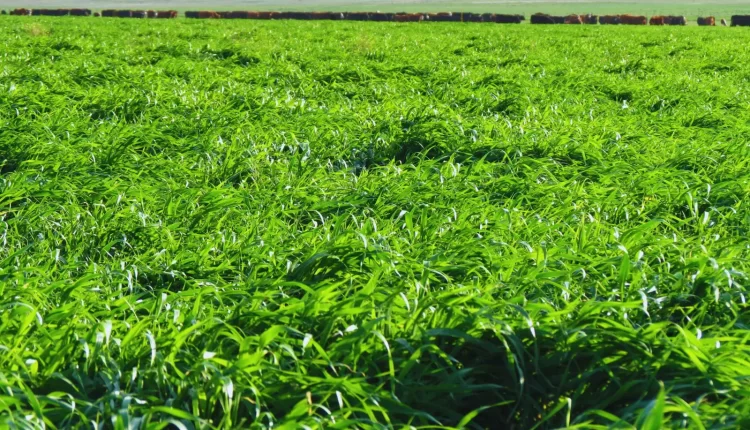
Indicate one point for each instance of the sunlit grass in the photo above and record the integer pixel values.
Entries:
(226, 224)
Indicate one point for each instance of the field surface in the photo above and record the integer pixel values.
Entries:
(333, 224)
(690, 8)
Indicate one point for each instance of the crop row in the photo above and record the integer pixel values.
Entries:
(537, 18)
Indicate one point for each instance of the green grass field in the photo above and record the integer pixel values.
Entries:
(232, 224)
(690, 8)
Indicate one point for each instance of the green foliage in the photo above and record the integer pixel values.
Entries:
(333, 224)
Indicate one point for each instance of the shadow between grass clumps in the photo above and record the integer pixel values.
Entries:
(7, 166)
(618, 95)
(423, 136)
(235, 56)
(527, 375)
(130, 111)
